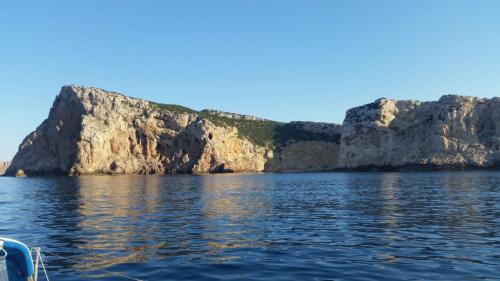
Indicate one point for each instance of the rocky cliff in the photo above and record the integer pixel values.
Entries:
(92, 131)
(454, 132)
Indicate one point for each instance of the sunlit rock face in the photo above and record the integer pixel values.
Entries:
(3, 166)
(454, 132)
(203, 147)
(92, 131)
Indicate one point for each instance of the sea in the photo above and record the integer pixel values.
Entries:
(269, 226)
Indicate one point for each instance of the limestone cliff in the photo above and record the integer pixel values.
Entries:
(92, 131)
(454, 132)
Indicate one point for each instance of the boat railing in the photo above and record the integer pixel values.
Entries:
(39, 261)
(28, 263)
(4, 275)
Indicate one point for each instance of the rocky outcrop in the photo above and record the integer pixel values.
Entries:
(3, 166)
(92, 131)
(204, 147)
(232, 115)
(454, 132)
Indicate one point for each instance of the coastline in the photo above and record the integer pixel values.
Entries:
(107, 133)
(367, 169)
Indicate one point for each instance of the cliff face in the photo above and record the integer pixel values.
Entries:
(454, 132)
(306, 146)
(92, 131)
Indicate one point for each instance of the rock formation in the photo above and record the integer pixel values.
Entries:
(454, 132)
(3, 166)
(92, 131)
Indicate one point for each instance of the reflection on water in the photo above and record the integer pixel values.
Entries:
(103, 209)
(341, 226)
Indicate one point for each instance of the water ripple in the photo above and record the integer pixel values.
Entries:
(319, 226)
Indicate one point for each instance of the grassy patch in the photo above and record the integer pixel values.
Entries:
(174, 108)
(260, 132)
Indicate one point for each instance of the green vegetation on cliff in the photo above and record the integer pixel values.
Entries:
(260, 132)
(174, 108)
(289, 131)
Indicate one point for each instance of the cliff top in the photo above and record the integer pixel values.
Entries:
(258, 130)
(84, 90)
(442, 99)
(268, 132)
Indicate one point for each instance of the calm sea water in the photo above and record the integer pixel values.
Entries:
(318, 226)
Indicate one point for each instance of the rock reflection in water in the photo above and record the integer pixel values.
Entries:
(231, 211)
(342, 226)
(115, 213)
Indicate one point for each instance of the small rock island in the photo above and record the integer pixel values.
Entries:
(93, 131)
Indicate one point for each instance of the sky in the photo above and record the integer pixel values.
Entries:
(281, 60)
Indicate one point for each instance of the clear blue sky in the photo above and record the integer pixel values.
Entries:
(283, 60)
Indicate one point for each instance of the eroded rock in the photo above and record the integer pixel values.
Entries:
(92, 131)
(454, 132)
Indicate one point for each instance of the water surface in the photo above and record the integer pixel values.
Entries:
(317, 226)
